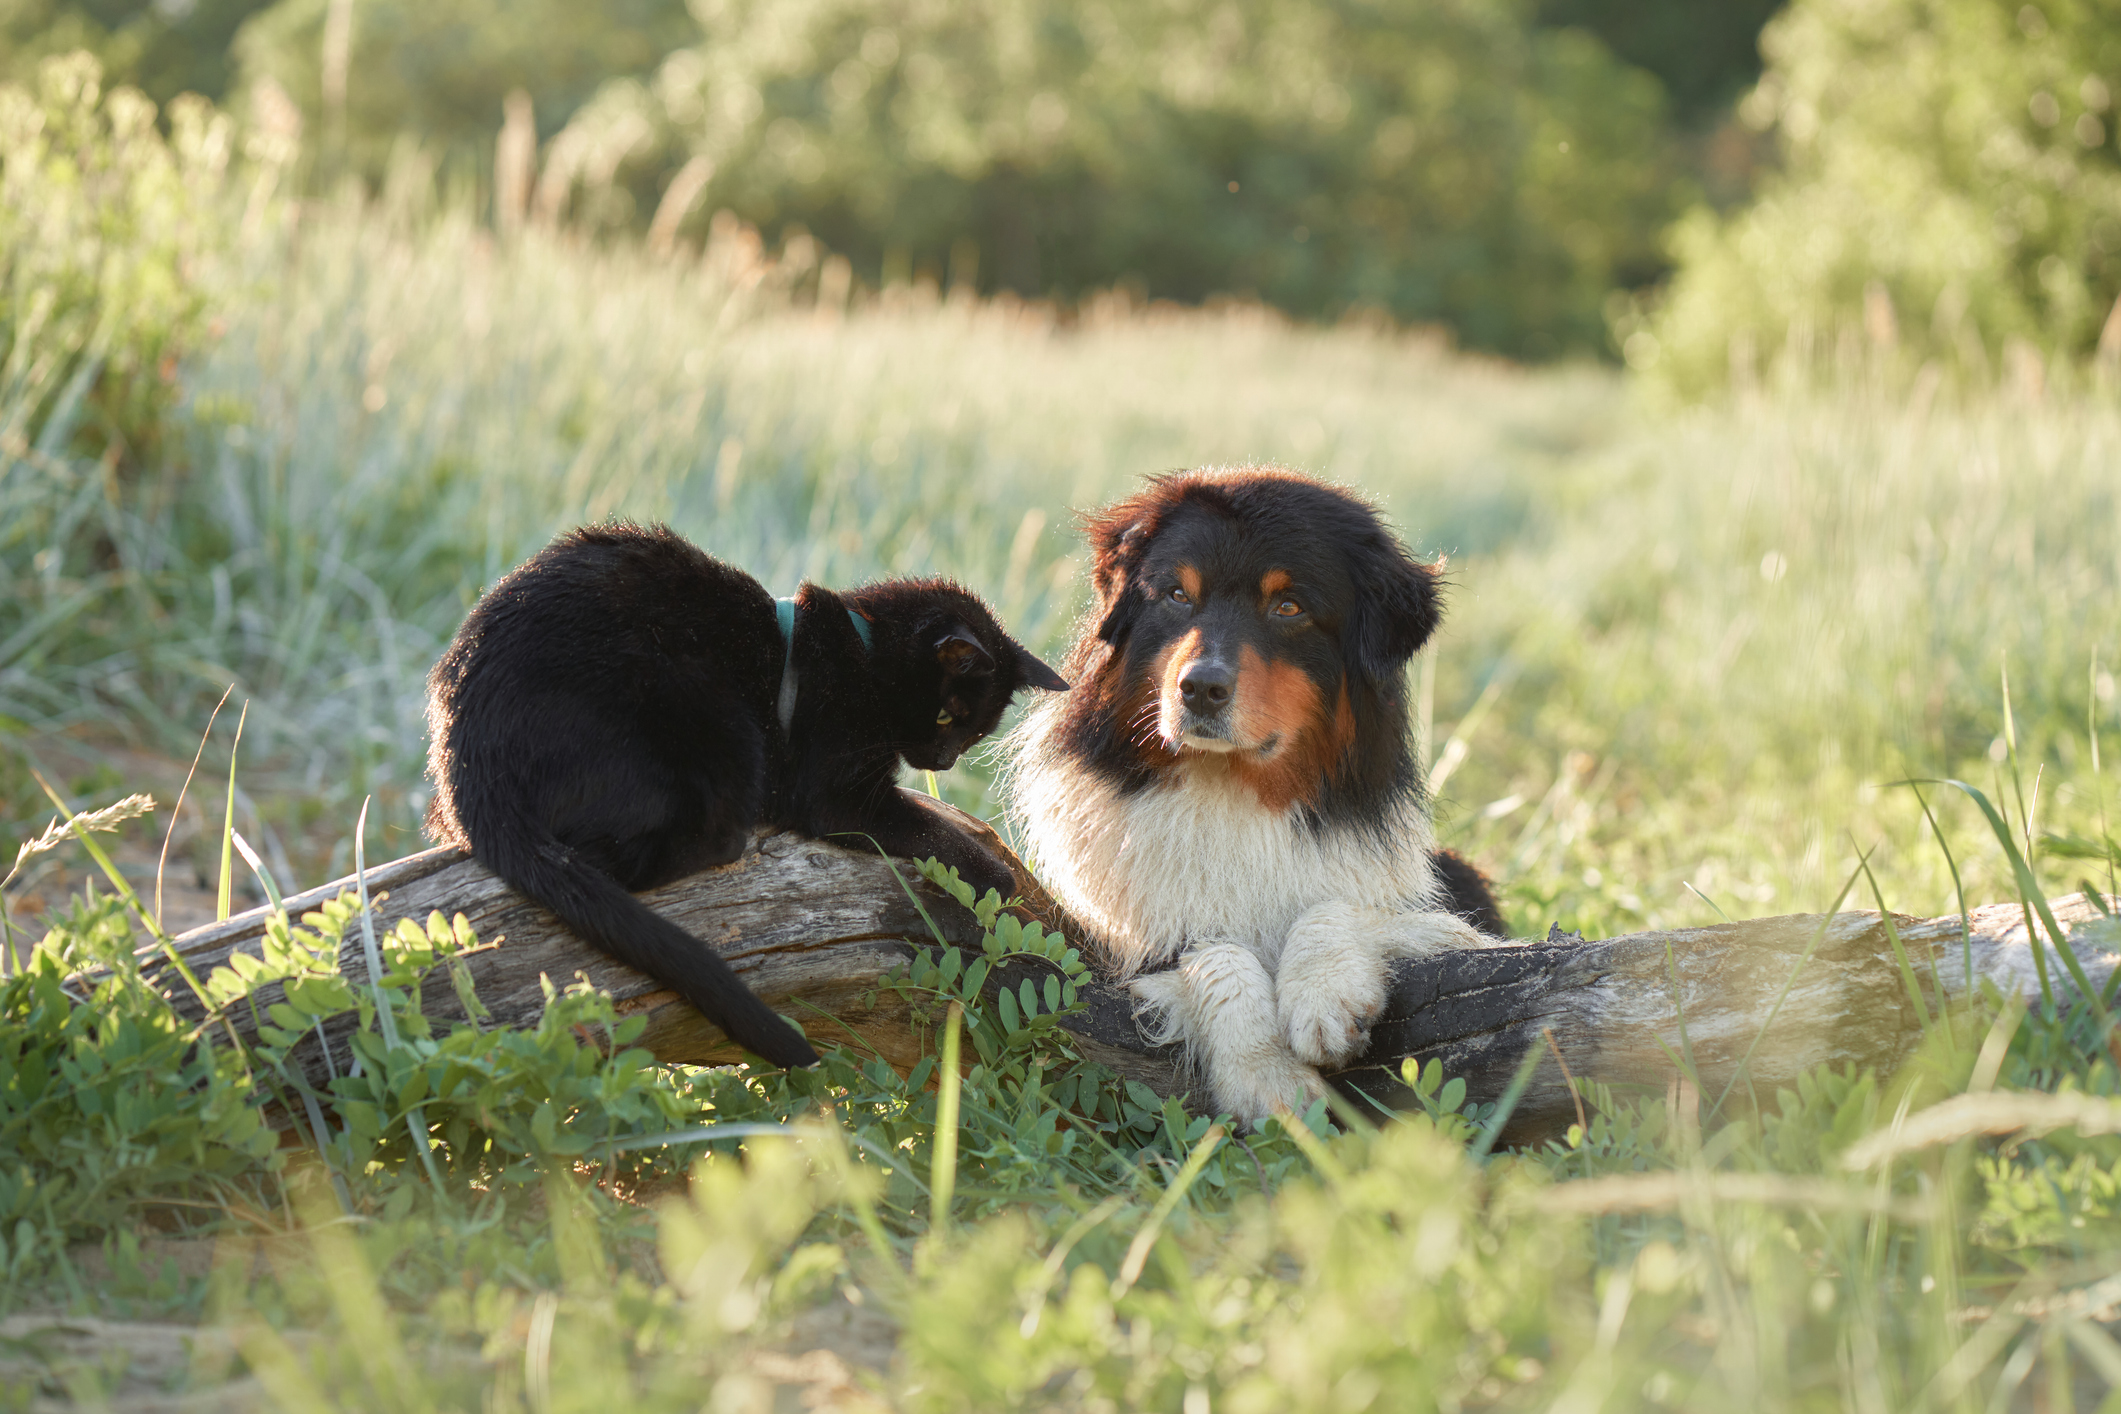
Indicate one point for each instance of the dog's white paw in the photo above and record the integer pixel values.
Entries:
(1268, 1082)
(1326, 1015)
(1161, 1009)
(1424, 934)
(1219, 1002)
(1331, 984)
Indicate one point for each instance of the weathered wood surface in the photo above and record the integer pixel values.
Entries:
(813, 927)
(1621, 1008)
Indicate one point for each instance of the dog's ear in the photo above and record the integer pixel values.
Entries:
(1397, 607)
(1120, 615)
(1119, 538)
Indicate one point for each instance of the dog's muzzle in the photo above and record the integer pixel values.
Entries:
(1204, 690)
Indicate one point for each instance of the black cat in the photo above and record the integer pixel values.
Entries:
(623, 708)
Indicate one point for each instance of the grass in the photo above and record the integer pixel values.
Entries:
(1690, 654)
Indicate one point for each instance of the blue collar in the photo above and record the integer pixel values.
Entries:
(784, 610)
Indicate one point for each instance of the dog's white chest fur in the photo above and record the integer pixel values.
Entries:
(1281, 933)
(1199, 860)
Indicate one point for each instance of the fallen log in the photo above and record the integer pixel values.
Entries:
(813, 928)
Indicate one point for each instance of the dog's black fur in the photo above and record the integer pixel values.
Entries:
(607, 720)
(1467, 893)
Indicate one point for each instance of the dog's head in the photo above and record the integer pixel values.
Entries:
(1257, 616)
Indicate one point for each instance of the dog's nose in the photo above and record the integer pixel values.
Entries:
(1205, 685)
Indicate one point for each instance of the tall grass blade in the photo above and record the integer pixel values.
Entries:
(1966, 922)
(415, 1115)
(126, 892)
(942, 1174)
(257, 867)
(385, 1022)
(2091, 726)
(2029, 890)
(1900, 957)
(228, 824)
(1507, 1105)
(1314, 1148)
(177, 810)
(1707, 900)
(1144, 1242)
(1988, 1064)
(855, 1184)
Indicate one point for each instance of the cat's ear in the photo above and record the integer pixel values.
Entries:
(961, 654)
(1031, 671)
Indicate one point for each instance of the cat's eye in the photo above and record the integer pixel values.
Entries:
(1288, 609)
(943, 718)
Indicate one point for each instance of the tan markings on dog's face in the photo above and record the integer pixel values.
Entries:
(1189, 583)
(1287, 704)
(1272, 704)
(1343, 728)
(1169, 667)
(1271, 583)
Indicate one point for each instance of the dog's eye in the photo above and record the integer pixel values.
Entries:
(1179, 596)
(1287, 609)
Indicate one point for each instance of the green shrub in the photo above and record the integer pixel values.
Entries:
(103, 222)
(163, 49)
(1950, 180)
(1443, 162)
(437, 70)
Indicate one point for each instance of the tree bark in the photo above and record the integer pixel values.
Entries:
(813, 928)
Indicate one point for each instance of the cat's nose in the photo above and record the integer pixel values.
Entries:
(1205, 685)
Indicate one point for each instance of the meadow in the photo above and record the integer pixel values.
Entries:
(1692, 653)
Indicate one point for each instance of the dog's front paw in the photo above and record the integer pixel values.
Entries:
(1328, 1021)
(1331, 983)
(1270, 1082)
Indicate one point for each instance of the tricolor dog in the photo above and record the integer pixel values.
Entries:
(1228, 797)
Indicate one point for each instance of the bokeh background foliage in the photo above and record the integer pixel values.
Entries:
(1438, 161)
(1947, 177)
(1477, 164)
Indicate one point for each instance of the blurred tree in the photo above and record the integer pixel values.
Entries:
(1438, 159)
(439, 69)
(1705, 55)
(163, 47)
(1950, 179)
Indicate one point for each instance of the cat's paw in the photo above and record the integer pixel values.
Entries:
(978, 867)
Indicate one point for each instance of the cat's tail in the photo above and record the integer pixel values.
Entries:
(600, 910)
